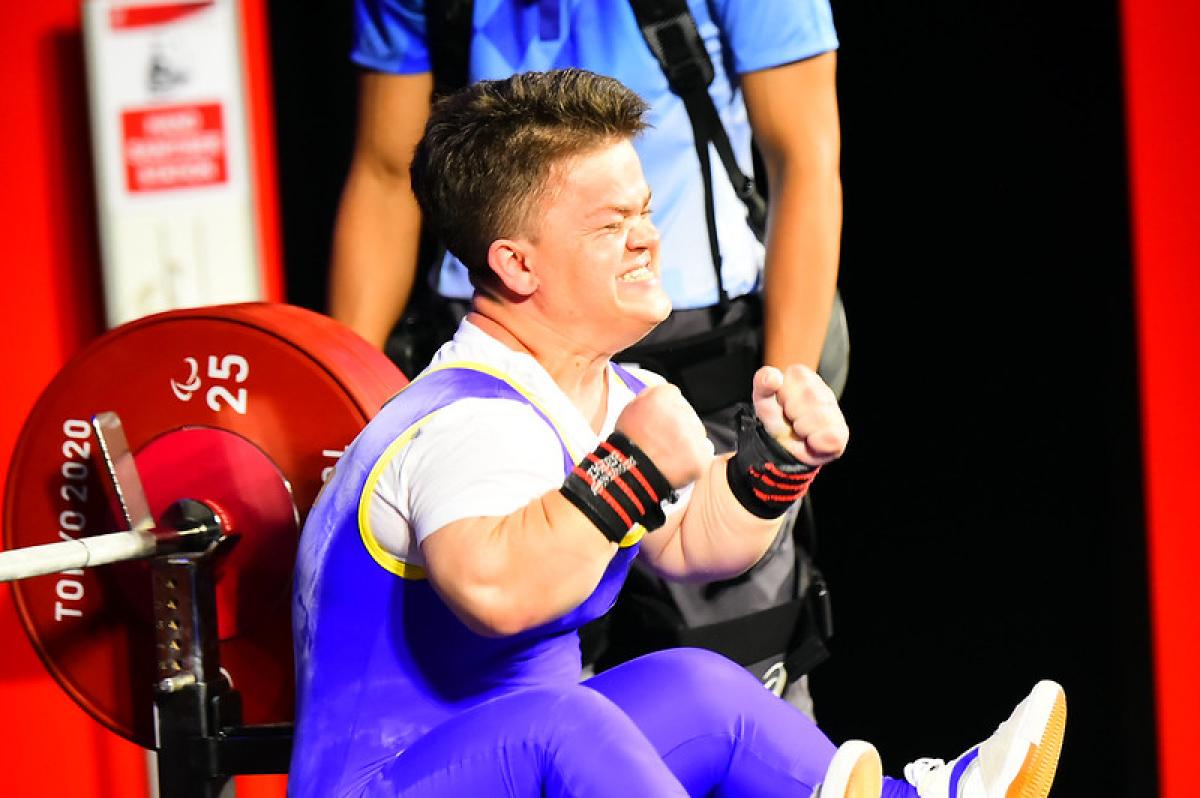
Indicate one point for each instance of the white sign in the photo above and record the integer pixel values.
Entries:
(172, 155)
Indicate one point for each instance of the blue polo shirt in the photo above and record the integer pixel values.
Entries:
(602, 36)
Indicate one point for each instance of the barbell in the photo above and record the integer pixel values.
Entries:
(242, 409)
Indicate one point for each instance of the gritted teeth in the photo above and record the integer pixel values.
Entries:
(637, 274)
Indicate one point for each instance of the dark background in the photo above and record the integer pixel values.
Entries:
(985, 528)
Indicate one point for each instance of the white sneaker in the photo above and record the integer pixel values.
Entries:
(1017, 761)
(854, 772)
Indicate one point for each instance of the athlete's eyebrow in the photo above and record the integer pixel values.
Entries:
(625, 210)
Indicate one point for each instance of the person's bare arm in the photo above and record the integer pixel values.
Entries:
(793, 111)
(501, 576)
(504, 575)
(716, 537)
(713, 539)
(378, 223)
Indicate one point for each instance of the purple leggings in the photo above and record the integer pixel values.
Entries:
(672, 723)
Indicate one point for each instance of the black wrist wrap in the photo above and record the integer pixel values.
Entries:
(763, 475)
(617, 487)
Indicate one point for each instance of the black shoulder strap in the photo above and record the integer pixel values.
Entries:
(448, 36)
(671, 33)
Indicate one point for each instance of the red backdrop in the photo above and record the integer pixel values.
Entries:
(1162, 71)
(51, 307)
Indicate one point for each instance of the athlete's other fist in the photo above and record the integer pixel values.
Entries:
(800, 411)
(664, 426)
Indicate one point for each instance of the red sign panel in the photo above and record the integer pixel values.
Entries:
(180, 146)
(126, 17)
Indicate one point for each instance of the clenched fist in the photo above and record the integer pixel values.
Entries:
(664, 426)
(800, 411)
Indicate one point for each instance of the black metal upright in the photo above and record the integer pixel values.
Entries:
(189, 674)
(199, 738)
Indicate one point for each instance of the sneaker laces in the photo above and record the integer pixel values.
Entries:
(915, 772)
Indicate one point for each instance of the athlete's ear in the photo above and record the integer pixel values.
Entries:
(509, 259)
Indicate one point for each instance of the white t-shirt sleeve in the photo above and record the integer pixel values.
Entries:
(477, 458)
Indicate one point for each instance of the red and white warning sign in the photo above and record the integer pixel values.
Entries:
(172, 155)
(173, 147)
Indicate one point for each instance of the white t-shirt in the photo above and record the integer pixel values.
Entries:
(486, 457)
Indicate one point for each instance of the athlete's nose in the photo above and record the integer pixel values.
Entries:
(643, 234)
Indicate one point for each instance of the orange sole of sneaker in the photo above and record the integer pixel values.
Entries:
(1037, 772)
(854, 772)
(866, 779)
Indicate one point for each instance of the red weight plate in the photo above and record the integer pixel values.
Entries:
(253, 499)
(241, 406)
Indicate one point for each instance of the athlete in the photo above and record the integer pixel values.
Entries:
(496, 503)
(734, 302)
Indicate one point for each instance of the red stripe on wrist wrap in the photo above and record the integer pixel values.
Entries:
(763, 476)
(589, 487)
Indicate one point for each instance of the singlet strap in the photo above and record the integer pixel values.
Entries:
(631, 382)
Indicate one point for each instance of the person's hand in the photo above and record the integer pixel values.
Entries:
(799, 410)
(664, 426)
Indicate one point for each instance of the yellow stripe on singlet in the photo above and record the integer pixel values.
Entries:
(391, 562)
(471, 365)
(379, 554)
(633, 535)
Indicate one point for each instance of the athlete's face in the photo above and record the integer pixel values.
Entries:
(597, 250)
